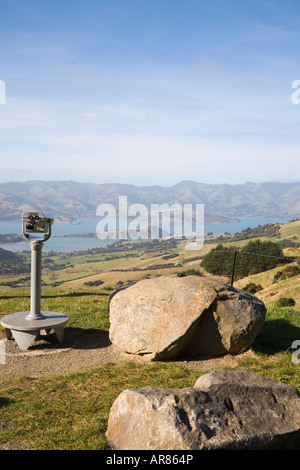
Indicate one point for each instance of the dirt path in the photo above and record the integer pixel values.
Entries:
(79, 352)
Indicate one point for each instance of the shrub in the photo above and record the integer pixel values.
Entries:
(287, 243)
(190, 272)
(288, 272)
(285, 302)
(252, 288)
(93, 283)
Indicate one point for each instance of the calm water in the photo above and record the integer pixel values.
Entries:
(67, 245)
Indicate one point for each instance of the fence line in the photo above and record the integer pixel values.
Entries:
(269, 256)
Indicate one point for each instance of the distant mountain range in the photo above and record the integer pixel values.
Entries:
(69, 200)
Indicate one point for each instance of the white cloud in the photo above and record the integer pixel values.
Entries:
(176, 123)
(156, 159)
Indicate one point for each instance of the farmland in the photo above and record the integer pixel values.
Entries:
(127, 262)
(62, 407)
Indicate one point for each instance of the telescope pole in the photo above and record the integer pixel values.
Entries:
(36, 269)
(25, 327)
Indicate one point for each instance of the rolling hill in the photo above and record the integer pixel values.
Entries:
(68, 200)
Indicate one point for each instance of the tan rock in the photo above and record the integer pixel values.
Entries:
(163, 318)
(156, 317)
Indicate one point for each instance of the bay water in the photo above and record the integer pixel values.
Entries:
(62, 243)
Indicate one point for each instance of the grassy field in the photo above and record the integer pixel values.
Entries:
(136, 261)
(70, 412)
(112, 268)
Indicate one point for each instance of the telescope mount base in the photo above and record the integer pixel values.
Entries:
(25, 330)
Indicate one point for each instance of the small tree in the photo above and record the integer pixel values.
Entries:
(255, 257)
(219, 260)
(261, 256)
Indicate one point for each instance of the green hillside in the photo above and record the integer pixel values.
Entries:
(126, 262)
(12, 264)
(70, 411)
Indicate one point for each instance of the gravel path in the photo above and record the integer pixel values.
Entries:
(79, 352)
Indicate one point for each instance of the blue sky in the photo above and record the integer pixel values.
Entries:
(149, 92)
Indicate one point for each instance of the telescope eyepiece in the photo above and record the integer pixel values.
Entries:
(36, 223)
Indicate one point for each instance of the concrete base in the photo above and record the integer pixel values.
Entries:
(25, 330)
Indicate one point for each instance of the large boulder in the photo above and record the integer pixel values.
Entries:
(163, 318)
(224, 410)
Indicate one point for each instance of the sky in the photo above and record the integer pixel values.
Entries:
(150, 92)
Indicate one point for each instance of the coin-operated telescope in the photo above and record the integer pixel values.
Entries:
(38, 223)
(26, 326)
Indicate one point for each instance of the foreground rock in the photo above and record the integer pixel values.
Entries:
(224, 410)
(163, 318)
